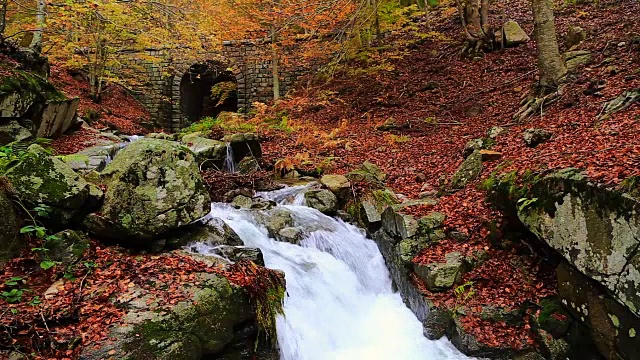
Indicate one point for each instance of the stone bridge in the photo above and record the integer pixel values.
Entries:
(178, 91)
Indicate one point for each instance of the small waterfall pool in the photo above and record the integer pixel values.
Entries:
(340, 303)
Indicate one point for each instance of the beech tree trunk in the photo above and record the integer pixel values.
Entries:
(474, 15)
(550, 63)
(41, 18)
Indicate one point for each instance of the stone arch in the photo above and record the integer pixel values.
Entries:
(191, 88)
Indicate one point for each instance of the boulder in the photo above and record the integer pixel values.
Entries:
(513, 34)
(534, 137)
(242, 202)
(593, 228)
(12, 131)
(470, 169)
(248, 165)
(432, 221)
(442, 276)
(244, 145)
(162, 136)
(510, 316)
(202, 324)
(337, 184)
(43, 179)
(92, 158)
(291, 235)
(16, 104)
(322, 200)
(237, 253)
(208, 152)
(56, 117)
(276, 220)
(11, 242)
(553, 348)
(575, 36)
(210, 232)
(153, 186)
(369, 215)
(475, 144)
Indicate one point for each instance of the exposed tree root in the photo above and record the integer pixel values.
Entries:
(535, 103)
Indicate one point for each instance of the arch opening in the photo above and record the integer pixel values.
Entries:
(206, 90)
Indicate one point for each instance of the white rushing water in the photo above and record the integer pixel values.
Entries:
(340, 303)
(229, 161)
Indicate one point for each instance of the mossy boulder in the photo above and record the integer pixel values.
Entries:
(398, 225)
(12, 131)
(153, 186)
(322, 200)
(211, 232)
(202, 324)
(514, 35)
(11, 242)
(470, 169)
(442, 276)
(337, 184)
(40, 178)
(243, 145)
(597, 230)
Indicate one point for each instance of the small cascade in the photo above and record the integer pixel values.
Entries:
(340, 303)
(229, 162)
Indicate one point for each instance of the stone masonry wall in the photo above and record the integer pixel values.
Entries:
(159, 74)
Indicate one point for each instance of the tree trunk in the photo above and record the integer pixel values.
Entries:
(274, 66)
(550, 64)
(474, 15)
(3, 17)
(41, 18)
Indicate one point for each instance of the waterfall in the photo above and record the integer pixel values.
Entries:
(229, 162)
(340, 303)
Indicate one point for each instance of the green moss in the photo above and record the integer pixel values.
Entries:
(23, 81)
(631, 186)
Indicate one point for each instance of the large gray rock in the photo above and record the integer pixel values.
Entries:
(291, 235)
(208, 152)
(513, 34)
(12, 131)
(211, 232)
(337, 184)
(470, 169)
(43, 179)
(153, 186)
(276, 220)
(534, 137)
(56, 117)
(595, 229)
(202, 324)
(322, 200)
(92, 158)
(11, 242)
(574, 59)
(16, 104)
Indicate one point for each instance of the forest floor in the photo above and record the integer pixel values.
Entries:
(421, 79)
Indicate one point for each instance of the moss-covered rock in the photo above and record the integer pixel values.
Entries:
(470, 169)
(208, 152)
(212, 232)
(12, 131)
(442, 276)
(202, 324)
(153, 186)
(40, 178)
(322, 200)
(11, 242)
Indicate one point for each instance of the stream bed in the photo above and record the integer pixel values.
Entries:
(340, 303)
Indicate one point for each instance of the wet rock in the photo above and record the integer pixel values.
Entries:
(442, 276)
(231, 194)
(534, 137)
(290, 234)
(244, 145)
(369, 215)
(242, 202)
(43, 179)
(337, 184)
(322, 200)
(11, 242)
(12, 131)
(513, 34)
(153, 187)
(438, 322)
(470, 169)
(237, 253)
(276, 220)
(211, 232)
